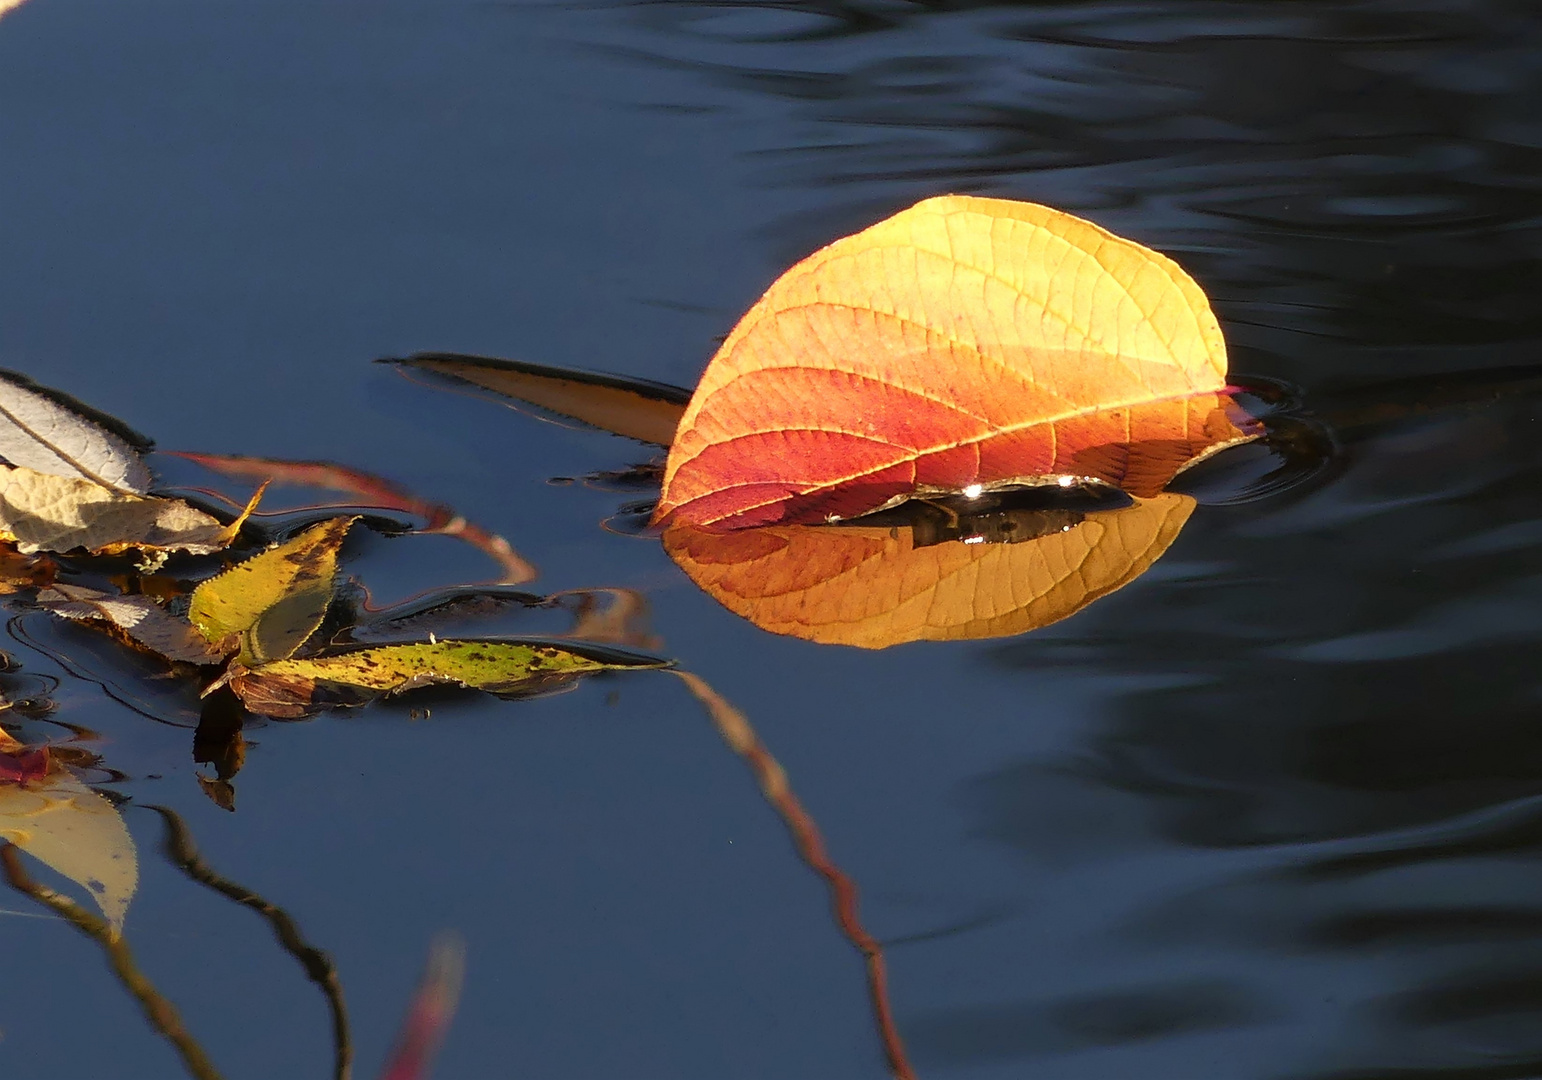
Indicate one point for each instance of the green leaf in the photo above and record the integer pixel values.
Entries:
(272, 602)
(289, 688)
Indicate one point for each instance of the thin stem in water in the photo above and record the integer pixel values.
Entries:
(162, 1014)
(317, 964)
(737, 732)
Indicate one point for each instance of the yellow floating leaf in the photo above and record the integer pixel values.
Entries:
(872, 586)
(289, 688)
(139, 617)
(43, 512)
(65, 825)
(273, 601)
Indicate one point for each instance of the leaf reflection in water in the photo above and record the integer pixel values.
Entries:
(873, 586)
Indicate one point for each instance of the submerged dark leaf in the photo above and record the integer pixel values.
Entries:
(636, 408)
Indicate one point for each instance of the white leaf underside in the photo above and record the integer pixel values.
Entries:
(39, 433)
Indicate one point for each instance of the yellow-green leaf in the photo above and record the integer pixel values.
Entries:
(354, 676)
(273, 601)
(66, 826)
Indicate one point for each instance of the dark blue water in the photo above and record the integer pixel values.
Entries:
(1273, 810)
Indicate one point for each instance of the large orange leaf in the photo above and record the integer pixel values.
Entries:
(963, 341)
(875, 586)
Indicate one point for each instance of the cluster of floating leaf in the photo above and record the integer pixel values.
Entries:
(220, 606)
(958, 423)
(84, 491)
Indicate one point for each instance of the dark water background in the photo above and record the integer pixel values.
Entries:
(1274, 810)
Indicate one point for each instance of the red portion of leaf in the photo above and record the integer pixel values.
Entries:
(24, 766)
(964, 341)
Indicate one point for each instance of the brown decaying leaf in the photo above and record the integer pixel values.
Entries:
(139, 618)
(874, 586)
(635, 408)
(438, 519)
(42, 512)
(962, 342)
(273, 601)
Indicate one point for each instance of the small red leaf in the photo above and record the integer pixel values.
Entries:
(24, 766)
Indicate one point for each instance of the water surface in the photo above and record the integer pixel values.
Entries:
(1270, 810)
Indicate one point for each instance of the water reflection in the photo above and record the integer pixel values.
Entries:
(931, 572)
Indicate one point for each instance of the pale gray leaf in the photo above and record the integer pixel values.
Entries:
(40, 432)
(140, 617)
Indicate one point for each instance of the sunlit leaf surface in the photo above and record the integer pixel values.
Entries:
(875, 586)
(273, 601)
(43, 512)
(290, 688)
(962, 342)
(68, 827)
(139, 617)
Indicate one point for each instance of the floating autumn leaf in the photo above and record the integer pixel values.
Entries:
(962, 342)
(268, 605)
(353, 676)
(43, 512)
(875, 586)
(51, 432)
(636, 408)
(139, 618)
(65, 825)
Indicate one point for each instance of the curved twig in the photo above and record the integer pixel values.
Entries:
(737, 732)
(318, 966)
(162, 1014)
